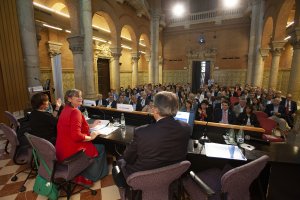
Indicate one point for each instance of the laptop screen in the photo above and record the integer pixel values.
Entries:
(187, 117)
(183, 116)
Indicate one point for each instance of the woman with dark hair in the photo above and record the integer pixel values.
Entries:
(247, 117)
(204, 112)
(187, 107)
(73, 135)
(42, 123)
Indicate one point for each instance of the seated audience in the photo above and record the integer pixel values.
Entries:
(247, 117)
(101, 102)
(187, 107)
(239, 108)
(42, 123)
(148, 108)
(111, 103)
(73, 135)
(204, 112)
(276, 112)
(290, 109)
(224, 114)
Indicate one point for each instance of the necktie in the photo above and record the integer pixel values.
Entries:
(287, 107)
(225, 117)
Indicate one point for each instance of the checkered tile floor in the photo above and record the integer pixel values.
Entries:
(106, 190)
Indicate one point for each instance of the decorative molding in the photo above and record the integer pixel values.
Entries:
(76, 44)
(102, 51)
(54, 48)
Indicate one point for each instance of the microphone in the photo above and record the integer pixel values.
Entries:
(35, 78)
(204, 137)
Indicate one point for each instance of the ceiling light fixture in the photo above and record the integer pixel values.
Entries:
(178, 10)
(53, 27)
(50, 9)
(230, 3)
(100, 28)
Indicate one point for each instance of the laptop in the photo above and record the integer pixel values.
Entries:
(187, 117)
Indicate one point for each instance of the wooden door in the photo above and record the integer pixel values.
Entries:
(103, 76)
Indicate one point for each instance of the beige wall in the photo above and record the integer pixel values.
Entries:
(230, 40)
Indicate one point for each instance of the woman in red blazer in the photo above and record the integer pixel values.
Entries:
(73, 135)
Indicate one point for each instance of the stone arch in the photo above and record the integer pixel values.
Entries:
(267, 32)
(104, 8)
(111, 25)
(126, 21)
(281, 19)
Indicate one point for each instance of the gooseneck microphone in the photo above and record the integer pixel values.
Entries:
(204, 137)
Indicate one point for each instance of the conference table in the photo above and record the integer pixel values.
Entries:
(280, 177)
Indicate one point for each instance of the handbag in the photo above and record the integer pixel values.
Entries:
(43, 186)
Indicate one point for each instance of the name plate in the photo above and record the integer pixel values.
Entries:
(87, 102)
(124, 107)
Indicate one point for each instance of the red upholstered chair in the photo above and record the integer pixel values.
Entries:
(261, 114)
(233, 185)
(234, 100)
(267, 124)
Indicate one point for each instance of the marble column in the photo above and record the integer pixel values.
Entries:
(294, 81)
(88, 60)
(114, 68)
(54, 49)
(253, 29)
(258, 68)
(150, 71)
(160, 69)
(29, 42)
(258, 76)
(135, 60)
(76, 46)
(277, 48)
(154, 34)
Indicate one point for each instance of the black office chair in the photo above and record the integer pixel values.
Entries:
(21, 155)
(63, 172)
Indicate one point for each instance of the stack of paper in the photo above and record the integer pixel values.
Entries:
(223, 151)
(103, 124)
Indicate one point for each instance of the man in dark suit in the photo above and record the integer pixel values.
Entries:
(276, 112)
(101, 102)
(160, 144)
(142, 101)
(111, 103)
(290, 109)
(224, 114)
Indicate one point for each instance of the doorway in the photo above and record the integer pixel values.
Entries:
(200, 74)
(103, 76)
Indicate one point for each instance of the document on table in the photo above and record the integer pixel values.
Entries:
(106, 130)
(103, 124)
(223, 151)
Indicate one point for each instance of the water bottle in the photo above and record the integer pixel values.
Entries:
(122, 121)
(231, 136)
(240, 137)
(86, 114)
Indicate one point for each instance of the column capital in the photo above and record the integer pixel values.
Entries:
(277, 47)
(76, 44)
(264, 52)
(295, 38)
(135, 57)
(54, 48)
(116, 52)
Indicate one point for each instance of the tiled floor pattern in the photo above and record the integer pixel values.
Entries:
(106, 190)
